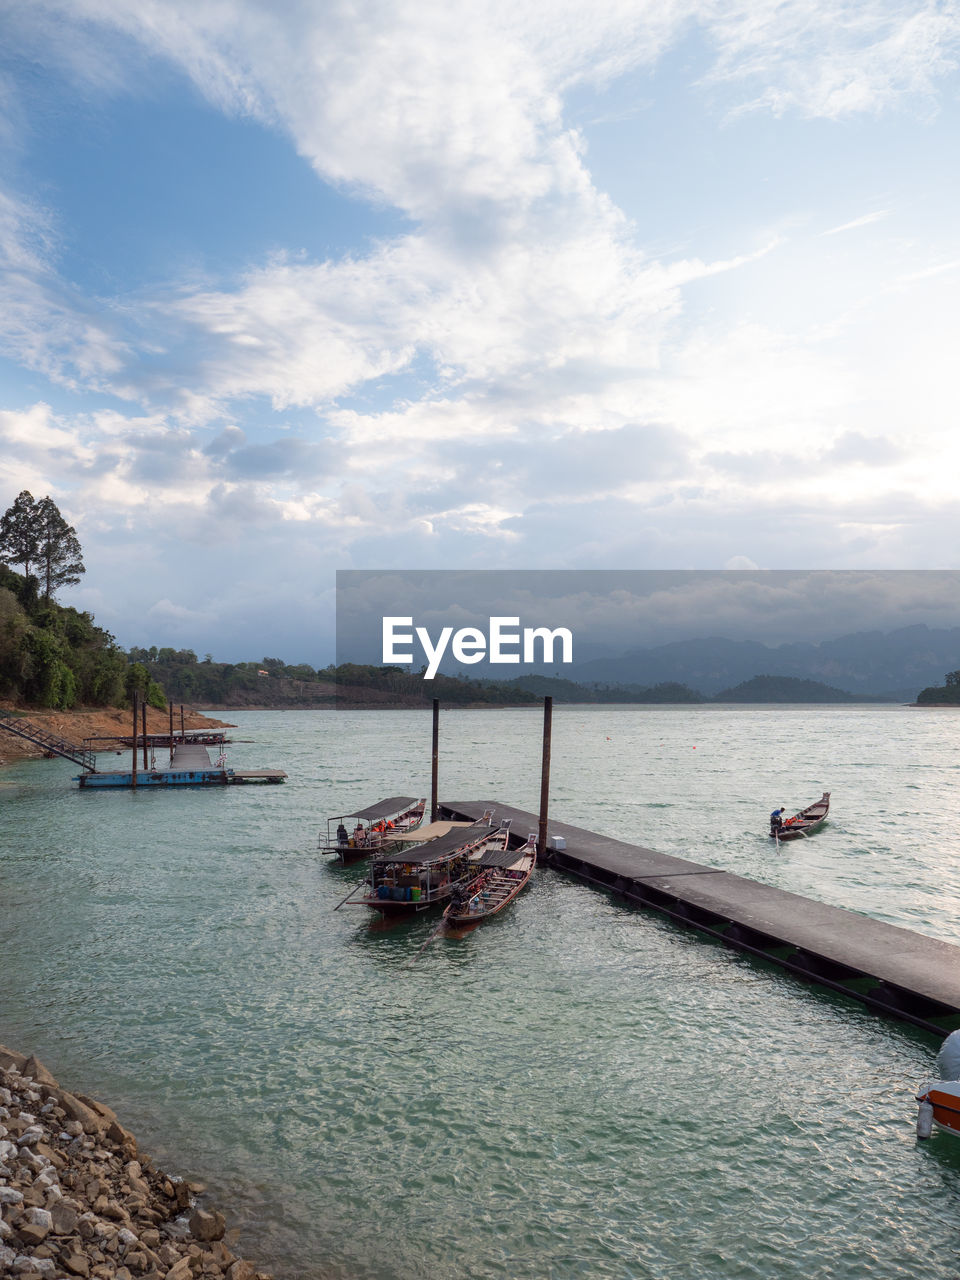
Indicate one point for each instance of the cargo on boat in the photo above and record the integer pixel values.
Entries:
(412, 880)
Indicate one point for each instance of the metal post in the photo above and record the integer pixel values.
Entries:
(182, 739)
(170, 709)
(545, 777)
(134, 740)
(434, 800)
(143, 709)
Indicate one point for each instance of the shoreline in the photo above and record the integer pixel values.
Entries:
(88, 722)
(78, 1199)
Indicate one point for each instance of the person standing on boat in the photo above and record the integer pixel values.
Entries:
(776, 818)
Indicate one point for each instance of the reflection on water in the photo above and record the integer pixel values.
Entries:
(575, 1089)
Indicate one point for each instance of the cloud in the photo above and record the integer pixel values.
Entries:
(864, 221)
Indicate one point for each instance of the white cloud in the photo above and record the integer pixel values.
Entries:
(864, 221)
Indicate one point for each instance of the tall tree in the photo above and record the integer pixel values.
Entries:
(59, 554)
(20, 532)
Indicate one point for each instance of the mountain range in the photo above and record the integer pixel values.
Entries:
(894, 664)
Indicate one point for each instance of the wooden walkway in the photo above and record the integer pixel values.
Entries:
(891, 970)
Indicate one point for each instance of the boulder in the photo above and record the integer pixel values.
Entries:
(9, 1059)
(77, 1109)
(64, 1217)
(37, 1071)
(207, 1226)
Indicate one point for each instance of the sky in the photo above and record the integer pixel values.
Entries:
(300, 287)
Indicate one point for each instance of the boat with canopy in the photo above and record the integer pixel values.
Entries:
(500, 875)
(412, 879)
(376, 829)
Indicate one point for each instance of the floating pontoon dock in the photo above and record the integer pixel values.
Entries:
(191, 767)
(891, 970)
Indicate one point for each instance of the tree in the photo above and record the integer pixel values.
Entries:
(20, 532)
(35, 534)
(59, 548)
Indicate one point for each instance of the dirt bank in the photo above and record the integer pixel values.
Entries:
(92, 722)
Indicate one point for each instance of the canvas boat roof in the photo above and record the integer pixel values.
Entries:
(497, 858)
(388, 808)
(429, 832)
(441, 847)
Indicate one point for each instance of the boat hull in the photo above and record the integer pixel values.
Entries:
(944, 1097)
(802, 823)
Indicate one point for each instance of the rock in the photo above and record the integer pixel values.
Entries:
(10, 1059)
(75, 1109)
(32, 1067)
(40, 1218)
(205, 1225)
(241, 1270)
(10, 1195)
(31, 1136)
(31, 1234)
(106, 1114)
(77, 1264)
(180, 1270)
(64, 1217)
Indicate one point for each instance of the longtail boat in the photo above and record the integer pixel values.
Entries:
(411, 880)
(807, 820)
(376, 829)
(501, 875)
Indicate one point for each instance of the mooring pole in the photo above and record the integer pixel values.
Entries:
(133, 782)
(143, 709)
(170, 709)
(182, 738)
(435, 769)
(545, 777)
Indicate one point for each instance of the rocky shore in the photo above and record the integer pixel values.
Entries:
(78, 1199)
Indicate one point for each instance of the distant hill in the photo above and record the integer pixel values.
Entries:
(891, 664)
(569, 691)
(946, 695)
(789, 689)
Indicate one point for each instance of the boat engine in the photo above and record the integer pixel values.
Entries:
(948, 1059)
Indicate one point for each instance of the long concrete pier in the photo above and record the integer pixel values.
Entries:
(891, 970)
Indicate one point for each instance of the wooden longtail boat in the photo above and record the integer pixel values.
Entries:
(351, 836)
(808, 819)
(411, 880)
(501, 876)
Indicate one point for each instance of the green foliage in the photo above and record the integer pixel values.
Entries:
(948, 695)
(789, 689)
(52, 656)
(34, 533)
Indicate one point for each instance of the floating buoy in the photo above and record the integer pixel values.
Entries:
(924, 1119)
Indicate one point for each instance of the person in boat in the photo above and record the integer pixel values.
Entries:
(342, 837)
(776, 818)
(359, 836)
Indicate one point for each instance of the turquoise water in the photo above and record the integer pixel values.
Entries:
(575, 1089)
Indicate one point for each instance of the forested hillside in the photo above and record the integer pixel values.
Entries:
(51, 656)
